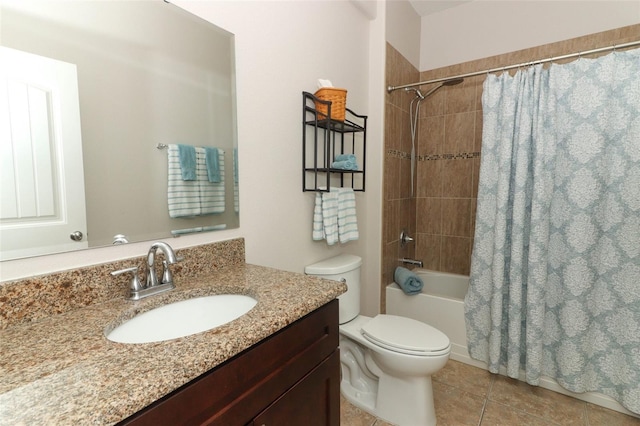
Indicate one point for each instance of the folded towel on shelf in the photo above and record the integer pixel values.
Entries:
(346, 157)
(187, 155)
(334, 216)
(183, 196)
(212, 163)
(212, 194)
(408, 281)
(344, 165)
(345, 162)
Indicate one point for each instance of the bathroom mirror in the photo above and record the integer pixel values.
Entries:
(149, 75)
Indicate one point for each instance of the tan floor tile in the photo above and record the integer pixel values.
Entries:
(466, 377)
(351, 415)
(602, 416)
(455, 407)
(501, 415)
(537, 401)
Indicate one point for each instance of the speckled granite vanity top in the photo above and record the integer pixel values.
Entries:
(61, 369)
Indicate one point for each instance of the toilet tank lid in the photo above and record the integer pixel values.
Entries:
(335, 265)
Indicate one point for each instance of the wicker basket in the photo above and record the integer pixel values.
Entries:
(338, 98)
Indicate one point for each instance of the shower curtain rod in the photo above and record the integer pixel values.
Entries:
(524, 64)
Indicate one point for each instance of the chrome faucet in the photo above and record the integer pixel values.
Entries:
(152, 286)
(170, 258)
(418, 263)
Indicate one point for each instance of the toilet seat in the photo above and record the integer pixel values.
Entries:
(405, 335)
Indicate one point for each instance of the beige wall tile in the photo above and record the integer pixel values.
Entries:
(434, 104)
(460, 98)
(429, 216)
(457, 177)
(431, 140)
(456, 217)
(459, 132)
(455, 255)
(428, 250)
(391, 177)
(429, 178)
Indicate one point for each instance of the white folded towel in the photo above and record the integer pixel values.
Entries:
(183, 196)
(334, 216)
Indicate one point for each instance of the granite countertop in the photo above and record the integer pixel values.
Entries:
(61, 369)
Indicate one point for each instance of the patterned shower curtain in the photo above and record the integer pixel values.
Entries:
(555, 270)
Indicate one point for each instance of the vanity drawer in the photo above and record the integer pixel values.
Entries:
(242, 387)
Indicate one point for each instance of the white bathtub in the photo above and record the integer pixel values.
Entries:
(441, 304)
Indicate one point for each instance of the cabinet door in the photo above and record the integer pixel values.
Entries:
(314, 400)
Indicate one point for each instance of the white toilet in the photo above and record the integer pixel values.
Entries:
(387, 361)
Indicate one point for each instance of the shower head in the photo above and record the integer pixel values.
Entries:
(419, 94)
(453, 82)
(445, 83)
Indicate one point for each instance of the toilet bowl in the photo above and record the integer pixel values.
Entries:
(387, 360)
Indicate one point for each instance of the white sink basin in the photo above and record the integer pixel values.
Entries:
(182, 318)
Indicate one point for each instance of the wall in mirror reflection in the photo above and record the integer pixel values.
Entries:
(148, 73)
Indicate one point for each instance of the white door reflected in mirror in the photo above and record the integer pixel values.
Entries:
(42, 202)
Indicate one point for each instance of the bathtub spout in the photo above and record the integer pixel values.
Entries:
(412, 262)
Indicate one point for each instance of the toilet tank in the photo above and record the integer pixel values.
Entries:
(342, 267)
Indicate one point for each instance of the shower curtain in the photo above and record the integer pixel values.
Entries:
(555, 270)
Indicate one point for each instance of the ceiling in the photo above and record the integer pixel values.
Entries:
(427, 7)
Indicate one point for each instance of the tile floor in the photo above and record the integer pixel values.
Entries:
(466, 395)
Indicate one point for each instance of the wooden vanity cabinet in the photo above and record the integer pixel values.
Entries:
(292, 377)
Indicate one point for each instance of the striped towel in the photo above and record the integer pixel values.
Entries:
(236, 190)
(212, 194)
(334, 216)
(183, 195)
(347, 220)
(197, 197)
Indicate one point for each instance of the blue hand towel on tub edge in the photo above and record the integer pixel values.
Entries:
(408, 281)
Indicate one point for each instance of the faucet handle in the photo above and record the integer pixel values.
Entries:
(167, 276)
(136, 285)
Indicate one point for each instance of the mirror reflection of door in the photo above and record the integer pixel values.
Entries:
(42, 205)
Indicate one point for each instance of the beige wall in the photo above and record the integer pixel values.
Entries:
(483, 28)
(450, 134)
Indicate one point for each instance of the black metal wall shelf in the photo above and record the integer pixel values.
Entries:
(323, 139)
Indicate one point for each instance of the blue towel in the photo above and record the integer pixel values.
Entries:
(345, 157)
(183, 196)
(344, 165)
(409, 282)
(187, 155)
(213, 164)
(345, 162)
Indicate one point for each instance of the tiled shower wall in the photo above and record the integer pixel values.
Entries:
(441, 213)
